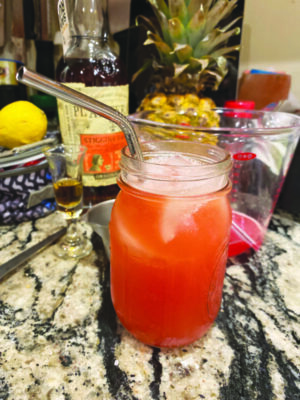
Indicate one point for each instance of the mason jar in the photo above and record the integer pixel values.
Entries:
(169, 234)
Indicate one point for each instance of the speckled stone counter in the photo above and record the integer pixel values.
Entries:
(60, 339)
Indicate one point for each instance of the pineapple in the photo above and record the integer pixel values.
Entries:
(191, 57)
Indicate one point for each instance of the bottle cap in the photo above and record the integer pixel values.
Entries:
(244, 104)
(239, 104)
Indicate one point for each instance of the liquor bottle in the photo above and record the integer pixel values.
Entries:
(91, 64)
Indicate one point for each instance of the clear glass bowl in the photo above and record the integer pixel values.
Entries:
(261, 144)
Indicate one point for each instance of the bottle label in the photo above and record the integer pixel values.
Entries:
(64, 25)
(103, 138)
(8, 70)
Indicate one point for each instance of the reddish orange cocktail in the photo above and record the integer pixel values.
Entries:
(168, 257)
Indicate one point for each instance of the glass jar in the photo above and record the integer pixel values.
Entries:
(169, 235)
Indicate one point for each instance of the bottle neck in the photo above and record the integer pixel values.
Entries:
(90, 28)
(92, 48)
(88, 18)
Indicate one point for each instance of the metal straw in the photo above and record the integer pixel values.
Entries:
(44, 84)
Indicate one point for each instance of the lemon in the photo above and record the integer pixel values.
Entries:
(21, 122)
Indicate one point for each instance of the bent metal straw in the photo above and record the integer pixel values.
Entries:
(44, 84)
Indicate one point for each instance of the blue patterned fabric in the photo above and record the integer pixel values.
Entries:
(14, 195)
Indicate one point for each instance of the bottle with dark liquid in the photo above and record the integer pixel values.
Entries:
(92, 65)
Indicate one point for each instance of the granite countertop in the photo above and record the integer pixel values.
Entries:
(60, 339)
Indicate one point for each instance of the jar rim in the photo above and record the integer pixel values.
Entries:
(157, 195)
(213, 161)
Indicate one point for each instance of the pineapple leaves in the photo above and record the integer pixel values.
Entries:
(191, 38)
(233, 22)
(213, 42)
(196, 28)
(207, 4)
(159, 44)
(166, 53)
(214, 79)
(160, 5)
(219, 11)
(183, 52)
(163, 24)
(225, 50)
(146, 22)
(222, 65)
(199, 63)
(177, 31)
(179, 10)
(179, 69)
(194, 6)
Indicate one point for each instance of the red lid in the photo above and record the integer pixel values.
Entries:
(244, 104)
(239, 104)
